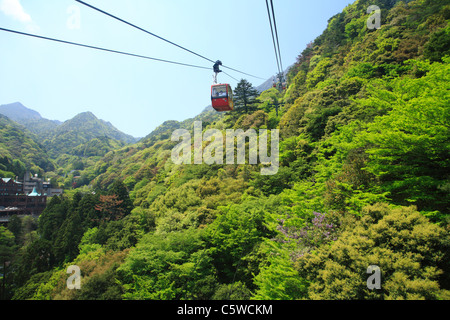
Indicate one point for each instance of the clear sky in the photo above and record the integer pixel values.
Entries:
(136, 95)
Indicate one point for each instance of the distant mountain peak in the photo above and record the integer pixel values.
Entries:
(88, 125)
(18, 112)
(87, 115)
(85, 124)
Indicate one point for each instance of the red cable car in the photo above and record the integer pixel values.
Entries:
(222, 97)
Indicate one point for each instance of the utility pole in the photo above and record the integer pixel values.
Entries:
(277, 106)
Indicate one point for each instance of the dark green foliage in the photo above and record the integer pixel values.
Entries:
(439, 45)
(101, 287)
(28, 290)
(233, 236)
(120, 190)
(245, 96)
(234, 291)
(60, 231)
(68, 237)
(20, 150)
(36, 257)
(6, 245)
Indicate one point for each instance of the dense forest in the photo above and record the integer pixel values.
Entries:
(363, 181)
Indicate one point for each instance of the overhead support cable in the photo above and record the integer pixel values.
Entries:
(275, 40)
(230, 76)
(103, 49)
(276, 34)
(273, 36)
(141, 29)
(159, 37)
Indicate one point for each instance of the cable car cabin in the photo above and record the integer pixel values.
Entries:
(222, 97)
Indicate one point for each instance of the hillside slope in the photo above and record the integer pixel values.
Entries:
(80, 130)
(30, 119)
(19, 113)
(20, 151)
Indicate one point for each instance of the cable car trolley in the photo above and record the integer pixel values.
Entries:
(222, 97)
(221, 94)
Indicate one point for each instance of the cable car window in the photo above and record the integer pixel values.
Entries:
(219, 91)
(230, 93)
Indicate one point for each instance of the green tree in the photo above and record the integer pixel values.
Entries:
(7, 249)
(68, 237)
(411, 252)
(7, 245)
(278, 279)
(15, 226)
(245, 96)
(408, 147)
(119, 189)
(167, 266)
(234, 237)
(439, 45)
(37, 257)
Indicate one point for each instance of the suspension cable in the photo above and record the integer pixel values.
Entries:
(275, 40)
(276, 34)
(230, 76)
(159, 37)
(102, 49)
(141, 29)
(273, 37)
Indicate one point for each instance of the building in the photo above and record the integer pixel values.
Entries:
(34, 182)
(9, 186)
(49, 191)
(31, 182)
(15, 201)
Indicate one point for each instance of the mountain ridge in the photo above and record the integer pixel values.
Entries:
(40, 126)
(84, 135)
(17, 112)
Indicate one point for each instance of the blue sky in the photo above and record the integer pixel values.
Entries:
(137, 95)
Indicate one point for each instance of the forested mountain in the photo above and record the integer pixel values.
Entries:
(20, 151)
(30, 119)
(51, 147)
(80, 130)
(19, 113)
(363, 181)
(60, 138)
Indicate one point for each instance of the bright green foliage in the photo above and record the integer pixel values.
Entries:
(318, 74)
(408, 147)
(234, 235)
(410, 252)
(162, 266)
(234, 291)
(6, 245)
(20, 150)
(278, 279)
